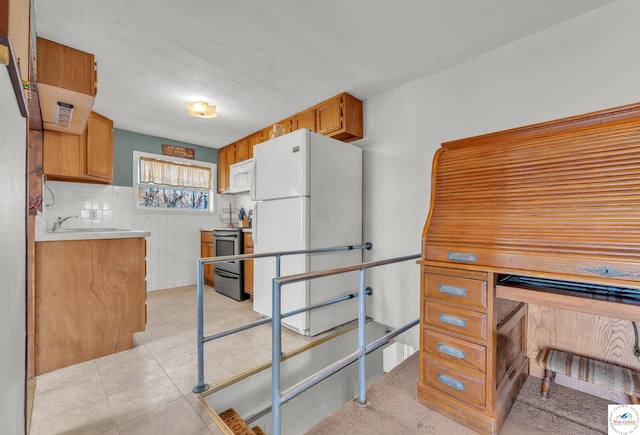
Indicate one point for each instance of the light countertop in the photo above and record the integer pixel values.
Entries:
(42, 235)
(109, 233)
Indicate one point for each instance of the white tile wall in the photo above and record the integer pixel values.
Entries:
(174, 244)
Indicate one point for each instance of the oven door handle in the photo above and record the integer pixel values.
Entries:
(221, 237)
(225, 274)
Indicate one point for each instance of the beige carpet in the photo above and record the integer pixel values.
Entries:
(393, 409)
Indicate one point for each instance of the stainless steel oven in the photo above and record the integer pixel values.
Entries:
(229, 275)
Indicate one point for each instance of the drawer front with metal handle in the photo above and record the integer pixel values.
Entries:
(466, 322)
(454, 353)
(459, 290)
(455, 383)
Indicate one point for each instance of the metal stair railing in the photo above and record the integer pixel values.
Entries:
(201, 386)
(279, 397)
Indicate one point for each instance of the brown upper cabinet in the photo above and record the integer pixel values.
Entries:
(306, 119)
(254, 140)
(339, 117)
(242, 150)
(69, 76)
(226, 158)
(85, 158)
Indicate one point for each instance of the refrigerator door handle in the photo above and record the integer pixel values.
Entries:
(252, 188)
(254, 224)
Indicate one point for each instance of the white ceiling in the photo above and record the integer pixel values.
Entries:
(260, 61)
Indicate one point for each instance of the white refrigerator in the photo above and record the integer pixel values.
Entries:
(308, 193)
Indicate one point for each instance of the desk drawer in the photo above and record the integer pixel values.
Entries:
(457, 354)
(469, 323)
(455, 383)
(455, 289)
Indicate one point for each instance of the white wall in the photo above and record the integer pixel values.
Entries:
(586, 64)
(13, 150)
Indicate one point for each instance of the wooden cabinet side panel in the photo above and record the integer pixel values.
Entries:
(206, 250)
(65, 67)
(99, 152)
(353, 117)
(90, 297)
(4, 17)
(248, 264)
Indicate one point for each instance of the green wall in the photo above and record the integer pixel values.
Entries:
(125, 142)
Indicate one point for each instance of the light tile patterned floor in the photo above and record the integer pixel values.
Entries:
(147, 389)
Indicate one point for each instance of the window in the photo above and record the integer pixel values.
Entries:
(172, 183)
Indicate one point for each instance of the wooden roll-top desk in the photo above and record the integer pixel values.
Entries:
(541, 216)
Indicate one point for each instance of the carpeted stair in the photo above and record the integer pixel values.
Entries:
(237, 424)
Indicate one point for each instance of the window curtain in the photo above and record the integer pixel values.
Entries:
(153, 171)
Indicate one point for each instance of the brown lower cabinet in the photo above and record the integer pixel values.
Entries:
(248, 264)
(90, 297)
(206, 250)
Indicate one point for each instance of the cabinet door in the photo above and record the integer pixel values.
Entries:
(329, 116)
(242, 150)
(81, 158)
(100, 147)
(305, 120)
(255, 139)
(340, 118)
(223, 169)
(63, 154)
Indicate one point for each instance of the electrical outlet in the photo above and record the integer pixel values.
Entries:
(93, 215)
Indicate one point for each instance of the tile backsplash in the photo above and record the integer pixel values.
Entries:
(174, 244)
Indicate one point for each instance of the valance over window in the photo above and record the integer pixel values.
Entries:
(153, 171)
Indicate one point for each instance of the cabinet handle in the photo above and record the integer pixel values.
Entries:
(452, 320)
(451, 351)
(462, 256)
(451, 382)
(453, 290)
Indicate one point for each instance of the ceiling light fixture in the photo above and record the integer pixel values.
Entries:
(201, 109)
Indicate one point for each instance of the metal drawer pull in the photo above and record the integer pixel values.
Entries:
(452, 382)
(462, 256)
(453, 290)
(452, 320)
(451, 351)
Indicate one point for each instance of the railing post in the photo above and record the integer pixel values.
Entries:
(362, 343)
(275, 354)
(200, 328)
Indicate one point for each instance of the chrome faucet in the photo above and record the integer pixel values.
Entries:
(57, 226)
